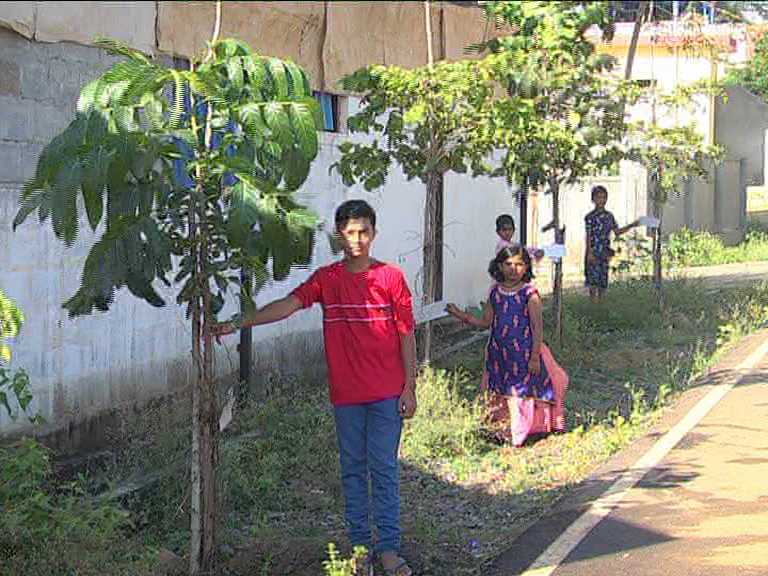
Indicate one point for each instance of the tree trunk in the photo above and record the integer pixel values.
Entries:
(246, 343)
(557, 291)
(432, 209)
(658, 212)
(208, 446)
(430, 264)
(196, 476)
(204, 452)
(642, 9)
(202, 546)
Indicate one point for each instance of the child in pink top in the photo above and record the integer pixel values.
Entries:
(505, 228)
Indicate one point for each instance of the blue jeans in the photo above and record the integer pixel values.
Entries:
(369, 437)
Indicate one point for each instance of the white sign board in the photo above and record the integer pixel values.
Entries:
(554, 251)
(428, 312)
(649, 221)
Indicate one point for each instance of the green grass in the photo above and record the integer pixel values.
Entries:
(687, 248)
(692, 248)
(464, 498)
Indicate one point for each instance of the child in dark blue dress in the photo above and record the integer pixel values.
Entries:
(599, 224)
(526, 385)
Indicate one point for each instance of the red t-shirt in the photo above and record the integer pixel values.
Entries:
(364, 315)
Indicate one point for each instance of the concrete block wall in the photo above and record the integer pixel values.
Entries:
(84, 371)
(39, 86)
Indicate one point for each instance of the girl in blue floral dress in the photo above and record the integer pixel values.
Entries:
(599, 224)
(525, 398)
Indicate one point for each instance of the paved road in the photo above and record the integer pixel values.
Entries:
(716, 276)
(728, 274)
(701, 510)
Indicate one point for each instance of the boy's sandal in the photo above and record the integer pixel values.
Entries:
(399, 569)
(364, 567)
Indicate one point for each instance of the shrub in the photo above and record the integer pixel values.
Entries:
(51, 528)
(448, 422)
(695, 248)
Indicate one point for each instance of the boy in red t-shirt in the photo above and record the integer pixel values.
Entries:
(371, 354)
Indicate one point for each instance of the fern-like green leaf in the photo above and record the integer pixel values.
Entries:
(296, 168)
(279, 123)
(279, 78)
(87, 98)
(154, 110)
(243, 213)
(296, 78)
(303, 123)
(177, 110)
(130, 253)
(116, 48)
(134, 76)
(257, 73)
(95, 167)
(235, 73)
(64, 205)
(229, 47)
(250, 116)
(11, 317)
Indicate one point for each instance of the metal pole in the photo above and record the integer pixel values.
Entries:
(524, 217)
(245, 346)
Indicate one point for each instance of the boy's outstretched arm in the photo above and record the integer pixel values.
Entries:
(407, 403)
(623, 229)
(272, 312)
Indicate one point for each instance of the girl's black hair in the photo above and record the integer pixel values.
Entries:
(494, 268)
(504, 220)
(599, 189)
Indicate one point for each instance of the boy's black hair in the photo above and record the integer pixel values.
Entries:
(494, 268)
(597, 190)
(504, 219)
(353, 210)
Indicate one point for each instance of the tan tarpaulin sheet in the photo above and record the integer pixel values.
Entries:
(82, 22)
(363, 33)
(464, 27)
(19, 17)
(292, 30)
(329, 39)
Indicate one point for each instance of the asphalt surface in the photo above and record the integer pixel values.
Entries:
(720, 276)
(702, 510)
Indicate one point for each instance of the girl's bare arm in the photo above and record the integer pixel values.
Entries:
(467, 318)
(534, 311)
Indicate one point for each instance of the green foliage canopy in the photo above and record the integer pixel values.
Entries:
(13, 383)
(753, 75)
(427, 120)
(575, 127)
(131, 161)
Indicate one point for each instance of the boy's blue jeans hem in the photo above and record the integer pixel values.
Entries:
(369, 439)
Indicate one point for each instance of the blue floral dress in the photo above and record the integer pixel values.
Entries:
(509, 347)
(599, 224)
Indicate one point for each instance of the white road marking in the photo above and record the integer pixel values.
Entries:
(554, 555)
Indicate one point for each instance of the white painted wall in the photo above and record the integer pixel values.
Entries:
(81, 367)
(471, 208)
